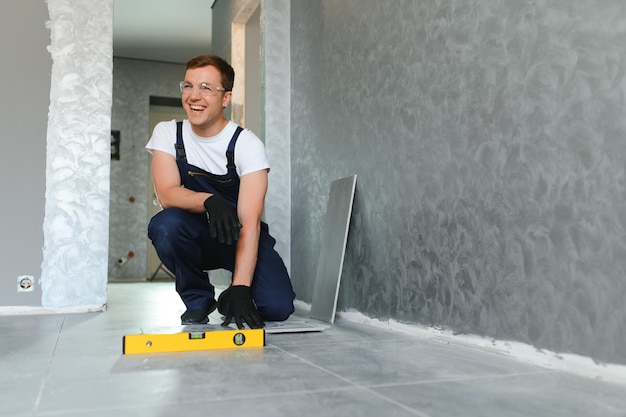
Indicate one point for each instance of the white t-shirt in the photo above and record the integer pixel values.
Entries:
(210, 153)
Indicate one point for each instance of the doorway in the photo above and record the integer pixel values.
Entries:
(246, 61)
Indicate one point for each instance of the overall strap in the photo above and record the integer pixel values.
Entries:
(230, 152)
(180, 146)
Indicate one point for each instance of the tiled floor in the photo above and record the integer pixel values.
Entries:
(72, 365)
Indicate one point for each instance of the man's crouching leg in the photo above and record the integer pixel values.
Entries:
(178, 238)
(271, 288)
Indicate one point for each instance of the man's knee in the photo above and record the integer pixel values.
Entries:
(278, 309)
(165, 223)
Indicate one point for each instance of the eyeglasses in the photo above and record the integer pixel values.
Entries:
(203, 88)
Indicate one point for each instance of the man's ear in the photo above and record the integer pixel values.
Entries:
(227, 98)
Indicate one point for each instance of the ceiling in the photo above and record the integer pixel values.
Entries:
(161, 30)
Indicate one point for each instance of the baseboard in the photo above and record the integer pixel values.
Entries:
(574, 364)
(566, 362)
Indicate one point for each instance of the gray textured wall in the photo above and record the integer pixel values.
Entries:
(275, 99)
(489, 137)
(25, 74)
(134, 81)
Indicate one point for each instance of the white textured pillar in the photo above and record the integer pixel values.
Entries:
(76, 223)
(275, 57)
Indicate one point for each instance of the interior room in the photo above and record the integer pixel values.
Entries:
(485, 264)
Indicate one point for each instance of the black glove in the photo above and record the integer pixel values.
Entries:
(241, 308)
(223, 221)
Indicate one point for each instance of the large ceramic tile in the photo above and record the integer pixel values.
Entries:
(373, 362)
(549, 394)
(80, 369)
(343, 402)
(25, 337)
(30, 370)
(79, 344)
(94, 322)
(20, 385)
(251, 371)
(170, 379)
(24, 350)
(79, 391)
(33, 324)
(16, 410)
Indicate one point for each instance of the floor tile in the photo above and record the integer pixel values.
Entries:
(371, 362)
(72, 365)
(348, 402)
(547, 394)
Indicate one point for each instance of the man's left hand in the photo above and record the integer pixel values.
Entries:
(241, 308)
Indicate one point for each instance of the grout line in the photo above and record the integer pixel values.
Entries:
(204, 401)
(460, 379)
(362, 387)
(45, 376)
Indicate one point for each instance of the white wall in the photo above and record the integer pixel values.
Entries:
(25, 75)
(71, 157)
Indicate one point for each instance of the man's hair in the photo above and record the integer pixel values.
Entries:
(227, 72)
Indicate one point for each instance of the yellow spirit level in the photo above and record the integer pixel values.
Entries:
(191, 340)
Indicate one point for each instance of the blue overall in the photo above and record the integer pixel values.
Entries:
(183, 244)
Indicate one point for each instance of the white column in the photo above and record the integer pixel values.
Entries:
(76, 223)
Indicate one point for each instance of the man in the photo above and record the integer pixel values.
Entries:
(211, 176)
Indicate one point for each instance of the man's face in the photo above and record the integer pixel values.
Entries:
(205, 108)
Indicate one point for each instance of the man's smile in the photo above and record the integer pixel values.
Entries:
(196, 108)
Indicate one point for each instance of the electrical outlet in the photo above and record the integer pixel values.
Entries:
(25, 283)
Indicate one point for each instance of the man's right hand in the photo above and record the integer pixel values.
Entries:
(223, 221)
